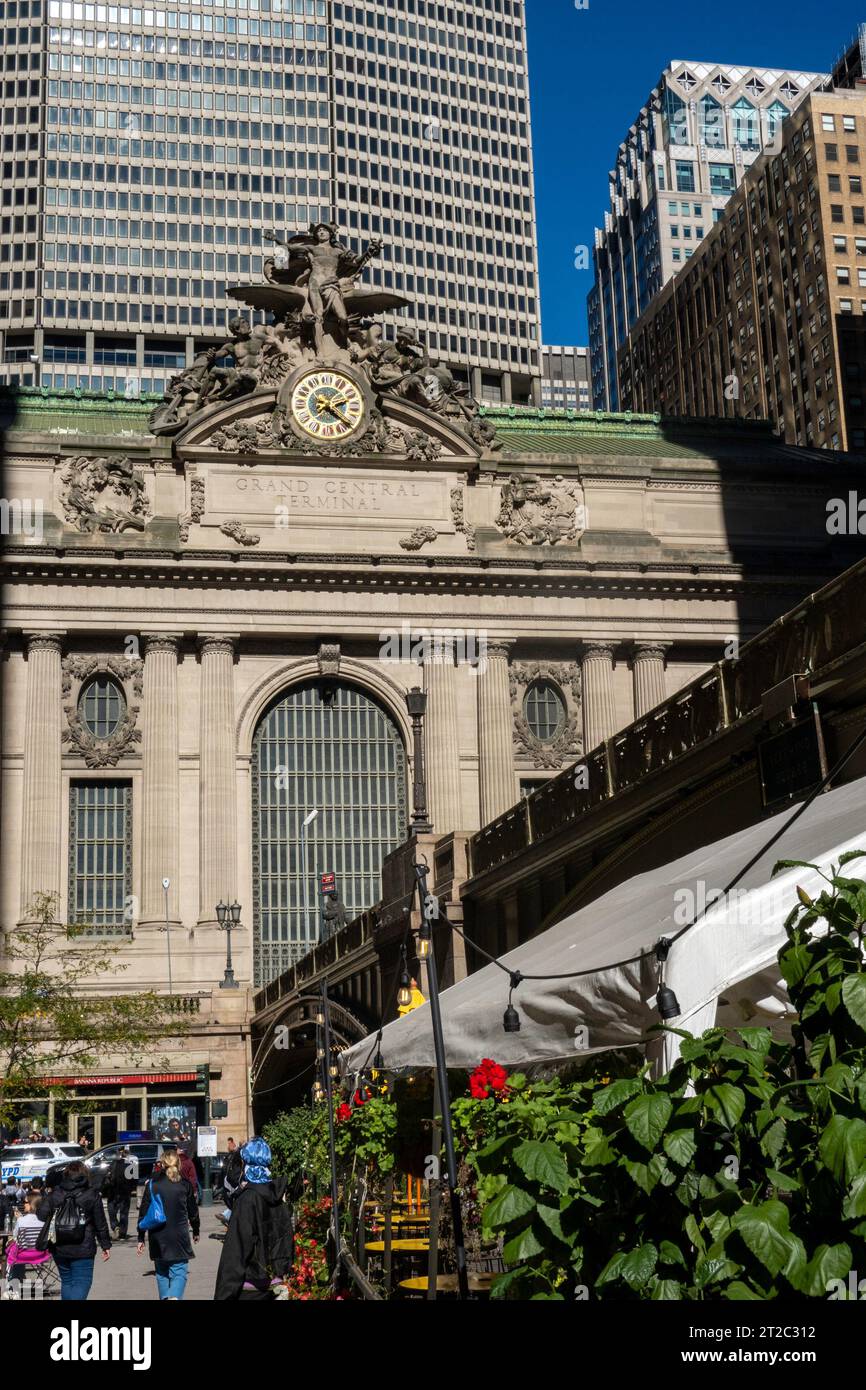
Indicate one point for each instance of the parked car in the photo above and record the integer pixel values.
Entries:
(143, 1152)
(26, 1161)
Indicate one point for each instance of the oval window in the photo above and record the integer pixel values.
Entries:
(101, 707)
(544, 710)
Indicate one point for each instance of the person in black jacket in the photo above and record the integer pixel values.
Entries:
(121, 1181)
(259, 1247)
(169, 1245)
(75, 1259)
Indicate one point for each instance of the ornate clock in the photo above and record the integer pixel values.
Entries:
(326, 404)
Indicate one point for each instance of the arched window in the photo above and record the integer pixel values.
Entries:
(101, 706)
(335, 751)
(712, 122)
(744, 119)
(544, 711)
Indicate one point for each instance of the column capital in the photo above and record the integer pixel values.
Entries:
(602, 648)
(500, 647)
(161, 641)
(218, 642)
(649, 650)
(50, 640)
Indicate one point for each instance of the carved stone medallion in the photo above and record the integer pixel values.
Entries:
(567, 742)
(77, 671)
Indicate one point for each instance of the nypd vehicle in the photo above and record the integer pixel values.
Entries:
(23, 1162)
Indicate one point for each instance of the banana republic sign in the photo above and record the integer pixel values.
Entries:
(324, 495)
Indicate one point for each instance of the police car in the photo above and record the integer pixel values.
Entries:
(23, 1162)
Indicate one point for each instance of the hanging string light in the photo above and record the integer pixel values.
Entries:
(404, 995)
(666, 1001)
(511, 1018)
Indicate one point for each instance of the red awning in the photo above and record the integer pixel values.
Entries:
(133, 1079)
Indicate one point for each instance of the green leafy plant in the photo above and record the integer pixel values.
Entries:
(740, 1174)
(298, 1141)
(368, 1133)
(55, 1014)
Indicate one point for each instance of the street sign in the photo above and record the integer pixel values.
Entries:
(329, 884)
(207, 1141)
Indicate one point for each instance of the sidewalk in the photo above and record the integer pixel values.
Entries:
(129, 1277)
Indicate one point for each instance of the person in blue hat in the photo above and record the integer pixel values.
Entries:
(258, 1251)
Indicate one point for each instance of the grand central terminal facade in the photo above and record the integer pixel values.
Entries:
(213, 621)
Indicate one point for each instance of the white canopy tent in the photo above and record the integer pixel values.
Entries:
(723, 970)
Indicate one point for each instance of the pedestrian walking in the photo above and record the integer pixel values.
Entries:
(258, 1250)
(169, 1195)
(74, 1209)
(121, 1181)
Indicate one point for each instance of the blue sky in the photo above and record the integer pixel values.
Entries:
(591, 71)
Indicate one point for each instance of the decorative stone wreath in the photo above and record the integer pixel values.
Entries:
(77, 671)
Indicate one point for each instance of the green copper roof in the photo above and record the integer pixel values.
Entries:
(523, 430)
(526, 430)
(33, 409)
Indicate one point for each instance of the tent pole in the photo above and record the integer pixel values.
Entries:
(421, 871)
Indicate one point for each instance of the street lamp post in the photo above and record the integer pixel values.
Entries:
(308, 820)
(229, 919)
(166, 884)
(416, 704)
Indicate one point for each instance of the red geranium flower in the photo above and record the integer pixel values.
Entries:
(344, 1112)
(488, 1077)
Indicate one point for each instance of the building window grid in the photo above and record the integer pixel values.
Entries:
(100, 857)
(344, 756)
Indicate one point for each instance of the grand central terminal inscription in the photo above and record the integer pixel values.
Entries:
(273, 496)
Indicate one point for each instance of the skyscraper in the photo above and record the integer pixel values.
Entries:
(700, 129)
(171, 138)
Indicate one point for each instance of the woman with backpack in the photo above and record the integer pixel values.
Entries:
(75, 1223)
(259, 1246)
(167, 1214)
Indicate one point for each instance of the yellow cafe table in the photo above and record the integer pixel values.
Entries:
(447, 1283)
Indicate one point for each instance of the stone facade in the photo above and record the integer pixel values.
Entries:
(687, 542)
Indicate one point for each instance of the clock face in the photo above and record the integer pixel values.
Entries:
(327, 404)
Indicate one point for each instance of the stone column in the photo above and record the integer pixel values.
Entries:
(160, 796)
(599, 707)
(648, 670)
(495, 743)
(442, 749)
(42, 801)
(218, 828)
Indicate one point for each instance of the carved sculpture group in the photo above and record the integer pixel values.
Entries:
(320, 316)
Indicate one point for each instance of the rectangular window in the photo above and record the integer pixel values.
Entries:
(685, 175)
(855, 183)
(721, 178)
(840, 243)
(100, 857)
(827, 123)
(835, 183)
(843, 275)
(849, 123)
